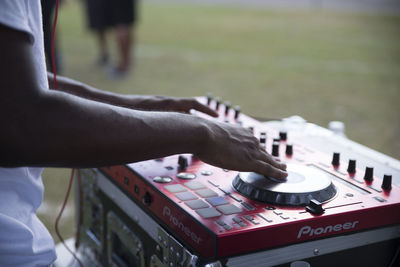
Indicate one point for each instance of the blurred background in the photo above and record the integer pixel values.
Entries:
(324, 60)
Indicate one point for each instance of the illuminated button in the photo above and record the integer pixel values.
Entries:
(206, 193)
(206, 173)
(186, 196)
(224, 190)
(379, 199)
(194, 185)
(197, 204)
(227, 227)
(229, 209)
(248, 217)
(208, 213)
(285, 217)
(186, 175)
(220, 222)
(375, 188)
(264, 217)
(235, 198)
(247, 206)
(216, 201)
(213, 183)
(174, 188)
(162, 179)
(243, 224)
(236, 219)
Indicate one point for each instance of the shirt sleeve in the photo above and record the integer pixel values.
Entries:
(13, 14)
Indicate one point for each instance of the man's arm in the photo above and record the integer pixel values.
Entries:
(43, 127)
(140, 102)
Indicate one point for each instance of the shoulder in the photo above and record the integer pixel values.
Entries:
(15, 14)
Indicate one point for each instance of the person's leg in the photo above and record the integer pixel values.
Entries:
(103, 47)
(125, 41)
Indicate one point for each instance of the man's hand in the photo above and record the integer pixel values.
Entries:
(235, 148)
(140, 102)
(165, 103)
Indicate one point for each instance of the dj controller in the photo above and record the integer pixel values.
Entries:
(339, 206)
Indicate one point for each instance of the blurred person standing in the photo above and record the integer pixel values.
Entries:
(120, 15)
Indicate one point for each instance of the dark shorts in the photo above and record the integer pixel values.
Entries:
(102, 14)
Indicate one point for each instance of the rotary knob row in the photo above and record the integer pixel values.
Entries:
(368, 174)
(227, 105)
(276, 143)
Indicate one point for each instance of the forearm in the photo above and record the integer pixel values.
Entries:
(85, 133)
(141, 102)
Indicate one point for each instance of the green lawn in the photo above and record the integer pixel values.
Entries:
(320, 65)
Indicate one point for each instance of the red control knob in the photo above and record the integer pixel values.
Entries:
(227, 107)
(283, 135)
(209, 98)
(275, 149)
(263, 138)
(336, 159)
(351, 169)
(387, 182)
(217, 103)
(182, 162)
(289, 149)
(237, 111)
(369, 174)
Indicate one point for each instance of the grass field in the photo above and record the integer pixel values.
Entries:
(320, 65)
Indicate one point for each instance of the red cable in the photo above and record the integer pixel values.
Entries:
(55, 86)
(59, 217)
(53, 57)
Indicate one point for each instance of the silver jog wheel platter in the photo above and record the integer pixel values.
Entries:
(303, 184)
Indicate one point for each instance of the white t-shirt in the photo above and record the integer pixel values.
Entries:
(24, 240)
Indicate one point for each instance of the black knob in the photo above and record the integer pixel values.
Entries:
(209, 98)
(352, 166)
(217, 103)
(369, 174)
(227, 107)
(275, 149)
(263, 138)
(315, 207)
(182, 162)
(283, 135)
(336, 159)
(277, 139)
(251, 128)
(387, 182)
(289, 149)
(237, 111)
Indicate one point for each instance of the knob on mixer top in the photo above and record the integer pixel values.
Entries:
(283, 135)
(237, 111)
(369, 174)
(217, 103)
(351, 169)
(289, 150)
(182, 162)
(336, 159)
(227, 107)
(387, 182)
(275, 149)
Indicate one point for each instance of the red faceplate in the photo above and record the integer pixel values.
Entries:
(257, 226)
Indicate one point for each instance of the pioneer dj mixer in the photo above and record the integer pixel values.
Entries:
(340, 204)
